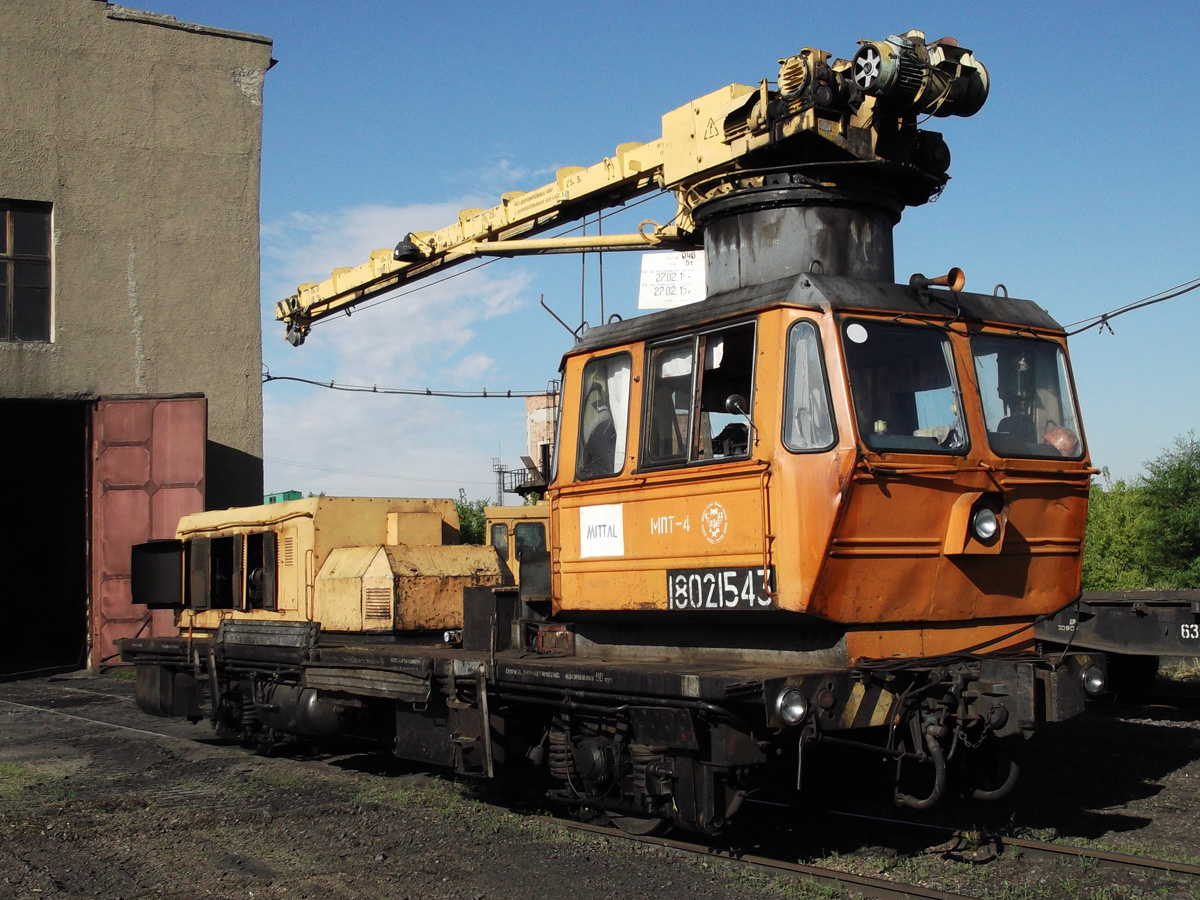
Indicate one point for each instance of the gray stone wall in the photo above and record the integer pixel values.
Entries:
(145, 133)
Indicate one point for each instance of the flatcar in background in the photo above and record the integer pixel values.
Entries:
(816, 508)
(1134, 629)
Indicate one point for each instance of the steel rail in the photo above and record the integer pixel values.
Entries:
(863, 885)
(868, 887)
(1043, 849)
(1046, 850)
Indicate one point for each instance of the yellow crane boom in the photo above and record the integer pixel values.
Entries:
(820, 114)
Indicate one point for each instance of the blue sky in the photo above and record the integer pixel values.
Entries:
(1076, 186)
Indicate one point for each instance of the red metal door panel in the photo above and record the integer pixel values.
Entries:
(147, 471)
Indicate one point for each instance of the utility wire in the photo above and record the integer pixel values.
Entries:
(484, 394)
(1101, 321)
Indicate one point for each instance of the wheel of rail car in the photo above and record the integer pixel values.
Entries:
(642, 825)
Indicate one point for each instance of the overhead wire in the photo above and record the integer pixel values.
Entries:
(1101, 321)
(484, 394)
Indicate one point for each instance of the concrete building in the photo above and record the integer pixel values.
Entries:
(130, 149)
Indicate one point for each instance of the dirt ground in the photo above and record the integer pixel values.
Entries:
(156, 808)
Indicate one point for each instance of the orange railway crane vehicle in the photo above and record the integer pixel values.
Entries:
(817, 508)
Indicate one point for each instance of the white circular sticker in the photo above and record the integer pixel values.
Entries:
(714, 522)
(856, 333)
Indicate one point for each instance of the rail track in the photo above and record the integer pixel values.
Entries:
(862, 885)
(112, 709)
(1165, 706)
(980, 848)
(959, 840)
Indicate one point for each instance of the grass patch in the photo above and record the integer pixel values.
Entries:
(282, 778)
(802, 888)
(33, 784)
(1010, 891)
(1183, 668)
(122, 673)
(15, 780)
(436, 796)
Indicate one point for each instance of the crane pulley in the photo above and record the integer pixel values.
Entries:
(828, 121)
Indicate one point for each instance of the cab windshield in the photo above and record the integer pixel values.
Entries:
(1025, 389)
(904, 389)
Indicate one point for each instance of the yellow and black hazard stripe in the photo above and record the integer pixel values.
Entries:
(867, 706)
(842, 701)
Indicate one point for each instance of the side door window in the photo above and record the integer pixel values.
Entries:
(668, 426)
(699, 398)
(603, 416)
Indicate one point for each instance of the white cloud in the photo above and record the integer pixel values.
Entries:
(437, 336)
(472, 368)
(306, 247)
(503, 175)
(420, 339)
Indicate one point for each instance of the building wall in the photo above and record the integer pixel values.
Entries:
(145, 134)
(540, 414)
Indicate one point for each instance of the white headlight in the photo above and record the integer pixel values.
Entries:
(985, 523)
(792, 707)
(1093, 680)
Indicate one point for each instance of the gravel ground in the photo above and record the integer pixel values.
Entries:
(93, 811)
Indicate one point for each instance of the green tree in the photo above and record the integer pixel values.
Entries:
(1147, 534)
(472, 520)
(1112, 554)
(1170, 525)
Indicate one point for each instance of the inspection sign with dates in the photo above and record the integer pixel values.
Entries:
(671, 279)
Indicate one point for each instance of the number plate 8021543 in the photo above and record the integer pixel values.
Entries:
(732, 588)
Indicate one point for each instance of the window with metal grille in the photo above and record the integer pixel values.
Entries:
(24, 271)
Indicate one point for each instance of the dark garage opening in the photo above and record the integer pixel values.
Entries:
(43, 557)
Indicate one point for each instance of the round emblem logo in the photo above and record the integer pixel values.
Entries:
(714, 522)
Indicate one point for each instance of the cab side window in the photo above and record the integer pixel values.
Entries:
(603, 416)
(530, 536)
(499, 540)
(700, 390)
(669, 427)
(807, 422)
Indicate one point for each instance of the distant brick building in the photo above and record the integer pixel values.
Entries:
(541, 414)
(130, 149)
